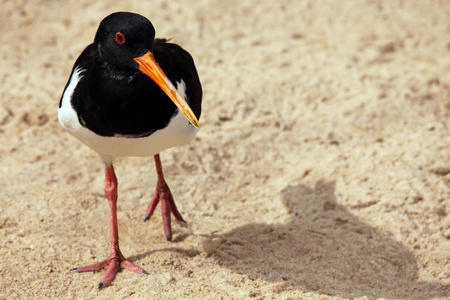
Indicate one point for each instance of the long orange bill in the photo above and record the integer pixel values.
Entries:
(149, 66)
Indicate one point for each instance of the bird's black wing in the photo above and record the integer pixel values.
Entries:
(179, 65)
(84, 60)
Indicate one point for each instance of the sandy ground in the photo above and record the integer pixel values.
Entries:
(322, 169)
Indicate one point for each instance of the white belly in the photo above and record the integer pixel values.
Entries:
(178, 132)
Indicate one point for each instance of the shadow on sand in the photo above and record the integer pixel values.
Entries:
(322, 249)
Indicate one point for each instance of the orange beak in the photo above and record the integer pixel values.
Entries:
(149, 66)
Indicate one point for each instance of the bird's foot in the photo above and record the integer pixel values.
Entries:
(168, 206)
(114, 264)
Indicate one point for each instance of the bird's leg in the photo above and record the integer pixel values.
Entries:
(116, 261)
(164, 195)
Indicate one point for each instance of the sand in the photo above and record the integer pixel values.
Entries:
(321, 171)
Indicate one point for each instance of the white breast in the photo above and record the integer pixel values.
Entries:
(178, 132)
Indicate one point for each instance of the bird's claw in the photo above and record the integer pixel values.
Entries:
(111, 267)
(168, 206)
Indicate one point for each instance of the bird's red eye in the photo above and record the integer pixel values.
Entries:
(120, 38)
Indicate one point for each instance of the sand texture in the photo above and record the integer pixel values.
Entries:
(321, 171)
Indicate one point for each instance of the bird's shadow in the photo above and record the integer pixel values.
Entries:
(323, 249)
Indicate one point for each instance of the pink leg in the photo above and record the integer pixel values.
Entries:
(167, 203)
(116, 261)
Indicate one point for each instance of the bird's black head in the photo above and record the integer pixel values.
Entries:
(123, 36)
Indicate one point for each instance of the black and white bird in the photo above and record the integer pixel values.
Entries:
(130, 94)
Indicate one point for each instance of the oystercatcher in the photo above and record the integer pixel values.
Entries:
(130, 94)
